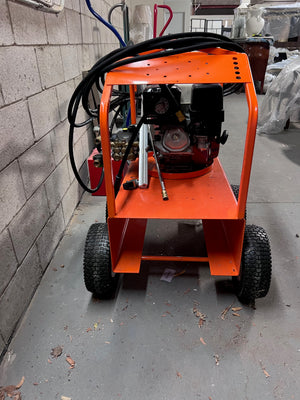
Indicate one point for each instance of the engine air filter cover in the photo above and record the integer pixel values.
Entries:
(176, 139)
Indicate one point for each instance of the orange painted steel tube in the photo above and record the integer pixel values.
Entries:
(249, 148)
(132, 103)
(174, 258)
(106, 150)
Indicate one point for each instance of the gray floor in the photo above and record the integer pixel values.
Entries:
(146, 343)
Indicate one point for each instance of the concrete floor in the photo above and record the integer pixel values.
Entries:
(145, 343)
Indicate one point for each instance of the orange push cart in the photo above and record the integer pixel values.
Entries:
(233, 248)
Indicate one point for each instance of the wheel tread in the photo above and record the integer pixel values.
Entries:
(97, 263)
(256, 265)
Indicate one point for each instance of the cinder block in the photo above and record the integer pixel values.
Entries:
(84, 57)
(77, 80)
(78, 153)
(70, 200)
(12, 195)
(50, 65)
(59, 140)
(8, 259)
(19, 292)
(70, 61)
(76, 5)
(44, 111)
(64, 94)
(29, 222)
(19, 75)
(56, 26)
(92, 54)
(6, 35)
(36, 165)
(69, 4)
(87, 33)
(28, 26)
(16, 132)
(84, 9)
(57, 184)
(50, 237)
(73, 27)
(96, 32)
(97, 51)
(87, 145)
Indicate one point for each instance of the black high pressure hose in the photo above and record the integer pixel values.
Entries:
(161, 47)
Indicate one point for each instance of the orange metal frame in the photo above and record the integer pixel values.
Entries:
(207, 197)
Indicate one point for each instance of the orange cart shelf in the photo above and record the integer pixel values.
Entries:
(207, 197)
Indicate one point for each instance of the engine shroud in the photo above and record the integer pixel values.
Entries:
(190, 142)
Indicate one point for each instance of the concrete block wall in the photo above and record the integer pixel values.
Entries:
(42, 57)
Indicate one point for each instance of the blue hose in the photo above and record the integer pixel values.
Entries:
(108, 25)
(128, 117)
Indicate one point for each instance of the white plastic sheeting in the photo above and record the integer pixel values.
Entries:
(281, 100)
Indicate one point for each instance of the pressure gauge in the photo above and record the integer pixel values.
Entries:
(162, 106)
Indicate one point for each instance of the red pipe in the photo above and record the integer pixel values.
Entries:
(155, 19)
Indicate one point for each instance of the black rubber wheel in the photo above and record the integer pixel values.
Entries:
(106, 212)
(236, 190)
(256, 266)
(97, 270)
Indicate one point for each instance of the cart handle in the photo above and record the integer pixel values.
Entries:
(156, 6)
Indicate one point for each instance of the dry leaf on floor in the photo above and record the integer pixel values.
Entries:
(180, 273)
(89, 329)
(202, 341)
(225, 311)
(20, 383)
(178, 374)
(217, 359)
(49, 361)
(10, 391)
(264, 370)
(62, 266)
(56, 352)
(236, 309)
(187, 291)
(35, 384)
(70, 362)
(236, 314)
(201, 322)
(266, 373)
(196, 312)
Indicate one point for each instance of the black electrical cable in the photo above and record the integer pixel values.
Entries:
(75, 170)
(161, 47)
